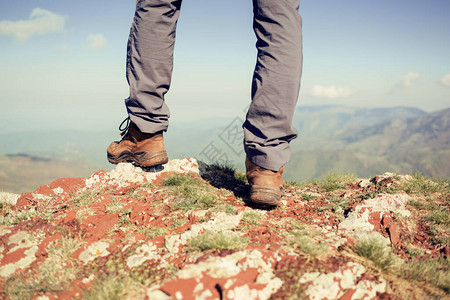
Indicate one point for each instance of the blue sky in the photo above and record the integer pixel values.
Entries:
(64, 66)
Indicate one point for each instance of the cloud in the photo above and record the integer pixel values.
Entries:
(407, 80)
(96, 41)
(445, 81)
(40, 22)
(331, 92)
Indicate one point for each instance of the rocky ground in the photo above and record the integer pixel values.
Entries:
(185, 231)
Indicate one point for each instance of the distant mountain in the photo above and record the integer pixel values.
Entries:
(401, 145)
(430, 130)
(364, 141)
(320, 121)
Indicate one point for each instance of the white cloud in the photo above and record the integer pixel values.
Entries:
(41, 22)
(96, 41)
(446, 80)
(331, 91)
(407, 79)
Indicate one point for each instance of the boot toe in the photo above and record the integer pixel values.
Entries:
(264, 195)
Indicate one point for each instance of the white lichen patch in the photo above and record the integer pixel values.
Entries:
(231, 266)
(19, 240)
(93, 180)
(358, 220)
(58, 190)
(8, 198)
(366, 289)
(4, 231)
(41, 197)
(30, 256)
(334, 285)
(143, 253)
(95, 250)
(88, 279)
(155, 293)
(245, 292)
(126, 173)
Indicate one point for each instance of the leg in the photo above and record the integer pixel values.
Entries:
(150, 63)
(276, 83)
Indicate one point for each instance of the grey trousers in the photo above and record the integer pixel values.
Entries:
(275, 86)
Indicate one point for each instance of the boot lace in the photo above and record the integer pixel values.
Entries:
(124, 129)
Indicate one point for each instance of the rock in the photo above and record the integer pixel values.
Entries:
(394, 234)
(8, 198)
(21, 254)
(95, 250)
(368, 214)
(241, 275)
(342, 283)
(365, 183)
(387, 218)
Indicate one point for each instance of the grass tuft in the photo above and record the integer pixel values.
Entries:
(332, 181)
(376, 251)
(112, 288)
(422, 185)
(306, 244)
(226, 167)
(216, 241)
(114, 206)
(432, 271)
(13, 217)
(227, 208)
(251, 218)
(54, 274)
(191, 193)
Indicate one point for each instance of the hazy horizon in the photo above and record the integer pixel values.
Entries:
(46, 125)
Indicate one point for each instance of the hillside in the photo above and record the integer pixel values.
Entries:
(185, 231)
(408, 145)
(21, 173)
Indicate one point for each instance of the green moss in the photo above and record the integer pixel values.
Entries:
(151, 232)
(307, 197)
(229, 209)
(251, 218)
(124, 216)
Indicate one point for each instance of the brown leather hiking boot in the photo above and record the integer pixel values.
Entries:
(266, 185)
(144, 149)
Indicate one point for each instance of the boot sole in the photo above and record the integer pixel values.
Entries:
(265, 195)
(141, 158)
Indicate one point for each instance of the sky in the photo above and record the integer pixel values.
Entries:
(62, 63)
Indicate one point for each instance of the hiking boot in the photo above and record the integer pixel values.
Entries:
(144, 149)
(266, 186)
